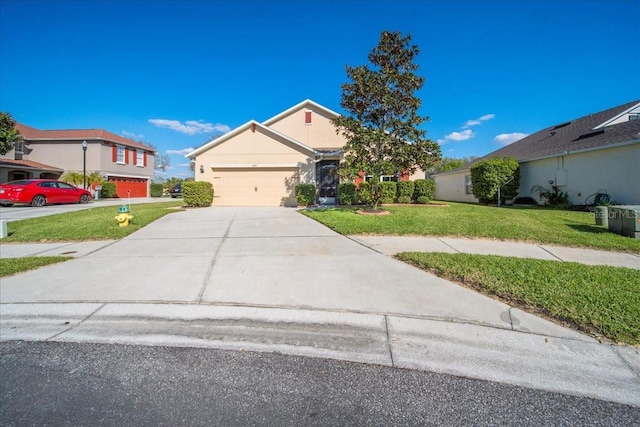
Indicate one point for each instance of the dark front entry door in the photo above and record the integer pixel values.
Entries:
(327, 181)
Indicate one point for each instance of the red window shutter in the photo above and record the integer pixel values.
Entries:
(114, 154)
(135, 157)
(144, 159)
(307, 117)
(126, 155)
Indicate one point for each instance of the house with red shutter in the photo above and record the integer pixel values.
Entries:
(50, 153)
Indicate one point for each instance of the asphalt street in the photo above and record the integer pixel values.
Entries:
(47, 383)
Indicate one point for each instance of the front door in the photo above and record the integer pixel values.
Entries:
(327, 182)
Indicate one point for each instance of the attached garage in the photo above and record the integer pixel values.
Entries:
(255, 186)
(129, 187)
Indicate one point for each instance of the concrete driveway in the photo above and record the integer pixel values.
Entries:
(270, 257)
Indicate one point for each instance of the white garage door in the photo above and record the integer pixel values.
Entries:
(250, 187)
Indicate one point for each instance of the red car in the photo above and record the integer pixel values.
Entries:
(39, 192)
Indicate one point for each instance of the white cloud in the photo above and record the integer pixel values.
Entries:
(182, 152)
(190, 127)
(508, 138)
(132, 135)
(478, 121)
(457, 136)
(184, 165)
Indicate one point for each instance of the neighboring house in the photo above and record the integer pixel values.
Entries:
(596, 153)
(259, 164)
(49, 153)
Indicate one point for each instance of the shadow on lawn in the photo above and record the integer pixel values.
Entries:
(588, 228)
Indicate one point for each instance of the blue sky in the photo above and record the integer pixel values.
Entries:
(177, 73)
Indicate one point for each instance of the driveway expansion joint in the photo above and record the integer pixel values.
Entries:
(213, 261)
(53, 337)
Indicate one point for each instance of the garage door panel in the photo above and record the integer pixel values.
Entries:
(254, 187)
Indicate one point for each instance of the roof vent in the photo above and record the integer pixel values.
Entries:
(561, 125)
(590, 134)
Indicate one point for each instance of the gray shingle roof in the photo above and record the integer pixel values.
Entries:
(576, 135)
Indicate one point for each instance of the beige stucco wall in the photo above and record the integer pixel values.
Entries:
(451, 187)
(320, 134)
(613, 170)
(255, 169)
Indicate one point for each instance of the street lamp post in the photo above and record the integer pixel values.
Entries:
(84, 165)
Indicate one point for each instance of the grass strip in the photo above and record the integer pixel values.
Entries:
(601, 300)
(89, 224)
(10, 266)
(530, 224)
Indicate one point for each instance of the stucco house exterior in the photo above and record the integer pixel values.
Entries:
(260, 163)
(595, 153)
(49, 153)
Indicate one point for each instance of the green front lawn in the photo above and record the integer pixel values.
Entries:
(536, 225)
(89, 224)
(10, 266)
(601, 300)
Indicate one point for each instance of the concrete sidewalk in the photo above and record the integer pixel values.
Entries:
(270, 279)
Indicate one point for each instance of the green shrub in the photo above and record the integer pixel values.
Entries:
(197, 193)
(347, 193)
(305, 194)
(156, 190)
(405, 191)
(108, 190)
(490, 174)
(555, 197)
(365, 193)
(425, 190)
(388, 191)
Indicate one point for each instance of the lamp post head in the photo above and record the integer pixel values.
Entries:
(84, 145)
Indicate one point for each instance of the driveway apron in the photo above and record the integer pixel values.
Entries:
(272, 257)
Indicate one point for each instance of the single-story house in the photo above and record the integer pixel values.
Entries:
(260, 163)
(598, 153)
(49, 153)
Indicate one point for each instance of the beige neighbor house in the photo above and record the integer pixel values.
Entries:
(259, 164)
(598, 153)
(49, 153)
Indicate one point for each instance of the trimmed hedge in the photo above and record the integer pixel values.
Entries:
(305, 194)
(108, 190)
(405, 191)
(388, 191)
(365, 193)
(347, 193)
(490, 174)
(424, 191)
(197, 193)
(156, 190)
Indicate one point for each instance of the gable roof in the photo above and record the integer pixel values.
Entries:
(582, 134)
(33, 134)
(306, 103)
(241, 129)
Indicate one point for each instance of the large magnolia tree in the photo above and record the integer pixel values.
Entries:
(382, 127)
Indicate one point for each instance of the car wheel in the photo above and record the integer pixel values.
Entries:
(84, 199)
(39, 200)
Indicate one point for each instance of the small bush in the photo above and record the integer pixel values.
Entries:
(347, 193)
(405, 191)
(305, 194)
(365, 193)
(108, 190)
(197, 193)
(490, 174)
(555, 197)
(388, 191)
(156, 190)
(425, 190)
